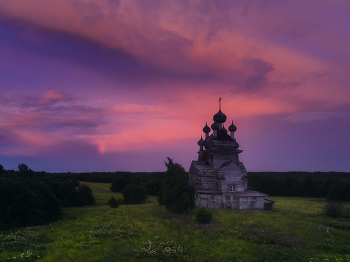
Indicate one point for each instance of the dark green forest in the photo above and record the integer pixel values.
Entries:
(331, 185)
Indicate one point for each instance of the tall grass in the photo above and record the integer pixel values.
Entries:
(148, 232)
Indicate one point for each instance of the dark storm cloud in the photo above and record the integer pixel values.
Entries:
(250, 77)
(37, 102)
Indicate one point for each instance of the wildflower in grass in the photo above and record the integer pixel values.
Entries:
(111, 232)
(23, 238)
(162, 250)
(268, 237)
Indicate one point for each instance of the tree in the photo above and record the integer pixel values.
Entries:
(153, 187)
(26, 202)
(23, 168)
(333, 209)
(176, 194)
(2, 170)
(113, 202)
(86, 195)
(134, 194)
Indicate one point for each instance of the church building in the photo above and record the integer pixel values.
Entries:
(218, 176)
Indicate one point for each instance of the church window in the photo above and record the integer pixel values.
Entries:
(253, 198)
(245, 199)
(232, 188)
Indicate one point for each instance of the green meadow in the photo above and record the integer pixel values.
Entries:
(148, 232)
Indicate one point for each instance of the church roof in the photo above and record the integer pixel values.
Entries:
(221, 135)
(219, 117)
(201, 142)
(202, 166)
(206, 129)
(232, 128)
(226, 164)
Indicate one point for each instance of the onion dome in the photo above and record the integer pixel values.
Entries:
(215, 126)
(206, 129)
(219, 117)
(201, 142)
(232, 128)
(224, 129)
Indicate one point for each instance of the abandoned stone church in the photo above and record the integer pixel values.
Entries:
(218, 176)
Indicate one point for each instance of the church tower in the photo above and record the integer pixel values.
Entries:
(218, 176)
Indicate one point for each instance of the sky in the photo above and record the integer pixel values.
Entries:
(120, 85)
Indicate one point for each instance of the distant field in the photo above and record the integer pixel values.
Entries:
(149, 233)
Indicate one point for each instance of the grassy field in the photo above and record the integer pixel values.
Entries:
(148, 232)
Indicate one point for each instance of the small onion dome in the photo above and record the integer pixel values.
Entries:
(206, 129)
(201, 142)
(224, 129)
(219, 117)
(215, 126)
(232, 128)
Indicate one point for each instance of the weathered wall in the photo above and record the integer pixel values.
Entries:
(219, 159)
(232, 175)
(251, 205)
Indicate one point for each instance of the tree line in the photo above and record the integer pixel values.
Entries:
(332, 185)
(152, 181)
(29, 198)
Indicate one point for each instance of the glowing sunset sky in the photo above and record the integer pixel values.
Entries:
(111, 85)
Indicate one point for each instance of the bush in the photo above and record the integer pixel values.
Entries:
(134, 194)
(86, 195)
(333, 209)
(204, 216)
(113, 203)
(26, 202)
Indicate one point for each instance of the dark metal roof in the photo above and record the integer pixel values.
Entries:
(201, 142)
(215, 126)
(232, 128)
(206, 129)
(219, 117)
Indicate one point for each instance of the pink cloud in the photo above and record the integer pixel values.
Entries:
(52, 95)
